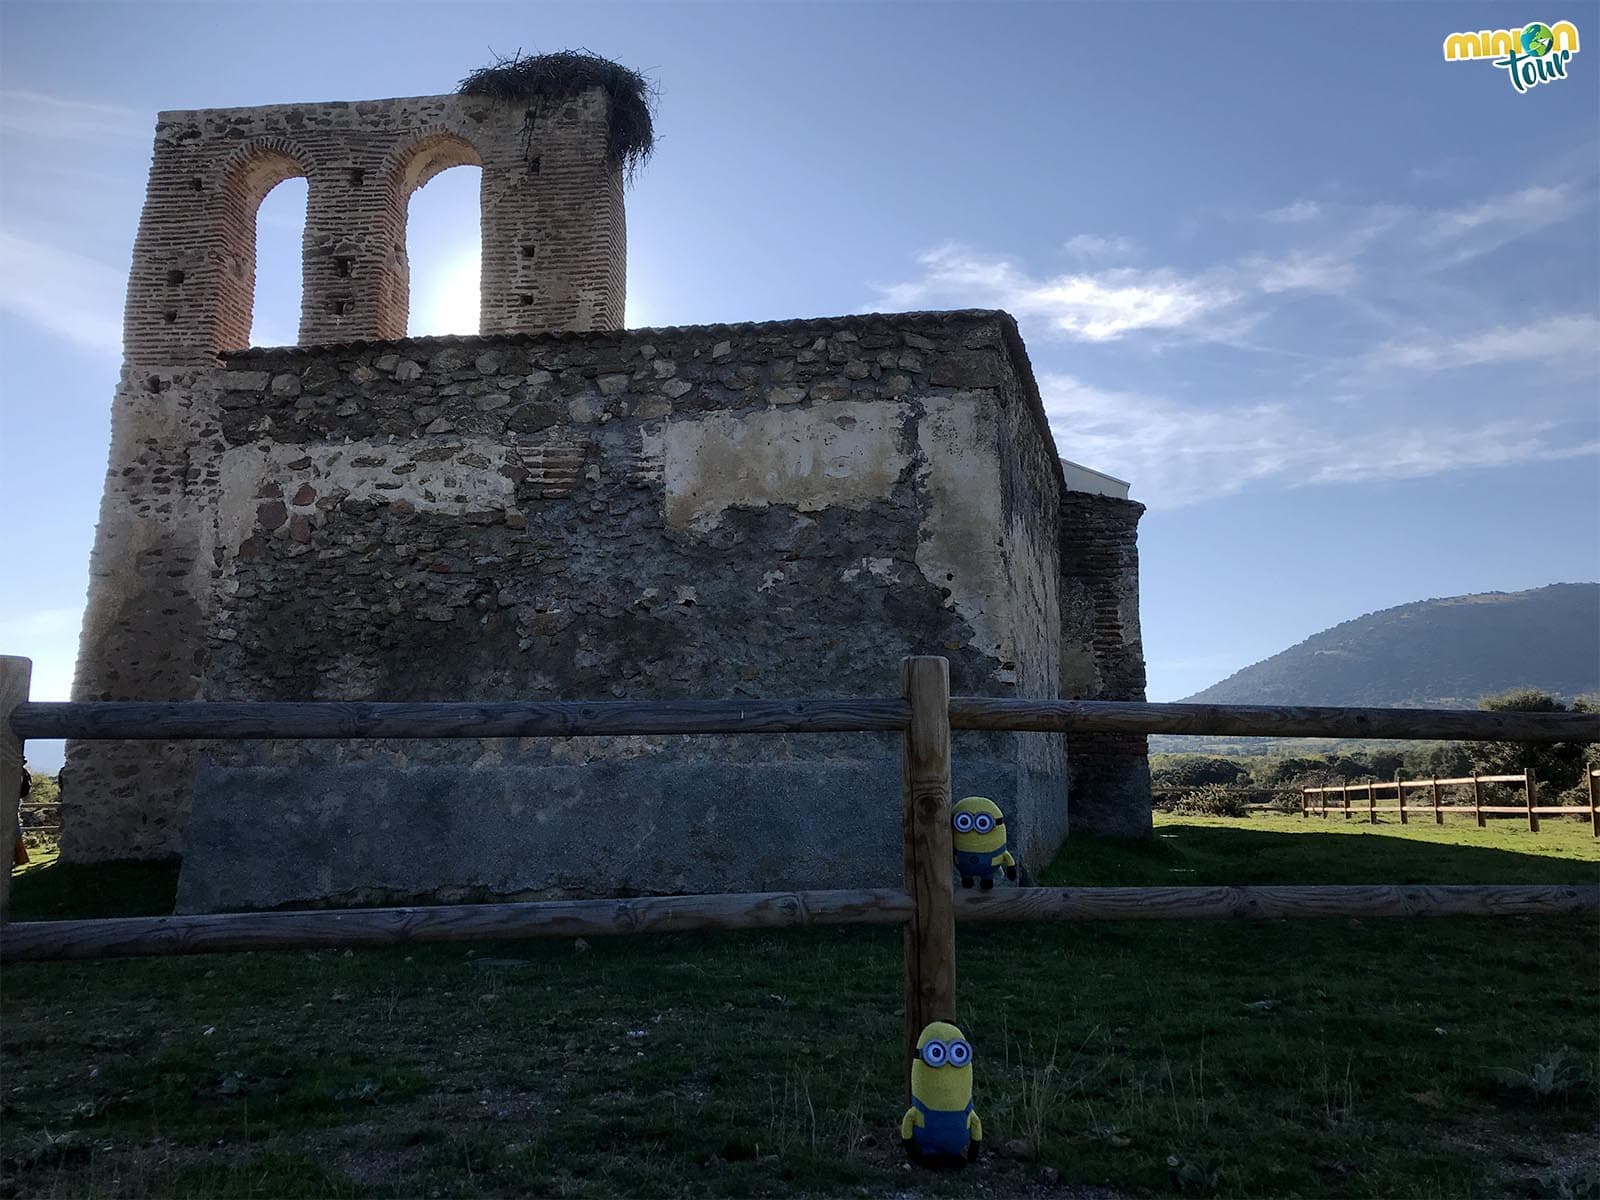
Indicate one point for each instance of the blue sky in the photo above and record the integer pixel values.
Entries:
(1331, 303)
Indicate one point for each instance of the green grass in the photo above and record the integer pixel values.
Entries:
(1275, 1058)
(1269, 848)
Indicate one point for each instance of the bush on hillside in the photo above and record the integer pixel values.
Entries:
(1557, 766)
(1195, 770)
(1438, 760)
(1212, 800)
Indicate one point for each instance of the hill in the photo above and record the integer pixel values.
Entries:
(1436, 653)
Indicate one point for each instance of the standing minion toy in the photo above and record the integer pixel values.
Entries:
(980, 841)
(940, 1128)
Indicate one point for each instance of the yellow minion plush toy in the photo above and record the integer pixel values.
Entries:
(980, 841)
(940, 1128)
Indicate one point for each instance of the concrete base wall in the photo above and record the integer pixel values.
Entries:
(663, 823)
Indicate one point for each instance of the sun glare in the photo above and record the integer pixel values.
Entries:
(447, 303)
(443, 247)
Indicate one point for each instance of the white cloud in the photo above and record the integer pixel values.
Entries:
(1571, 341)
(1303, 272)
(63, 292)
(1294, 214)
(1088, 245)
(1177, 454)
(1096, 307)
(1531, 207)
(1460, 235)
(35, 114)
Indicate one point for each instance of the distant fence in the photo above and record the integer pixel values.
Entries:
(927, 907)
(25, 809)
(1529, 808)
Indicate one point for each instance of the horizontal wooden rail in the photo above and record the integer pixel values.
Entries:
(1275, 902)
(557, 718)
(1103, 716)
(122, 937)
(1571, 810)
(1363, 785)
(151, 721)
(35, 941)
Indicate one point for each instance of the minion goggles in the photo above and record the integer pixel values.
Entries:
(968, 823)
(954, 1053)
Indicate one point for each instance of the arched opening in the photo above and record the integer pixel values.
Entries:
(280, 282)
(441, 242)
(241, 200)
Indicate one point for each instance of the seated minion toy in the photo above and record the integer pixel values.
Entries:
(940, 1128)
(980, 842)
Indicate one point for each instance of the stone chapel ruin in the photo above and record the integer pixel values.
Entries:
(559, 508)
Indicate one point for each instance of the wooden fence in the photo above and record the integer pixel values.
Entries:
(26, 826)
(1529, 807)
(926, 906)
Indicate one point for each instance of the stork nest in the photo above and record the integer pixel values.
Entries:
(557, 76)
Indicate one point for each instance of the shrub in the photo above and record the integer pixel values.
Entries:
(1573, 797)
(45, 789)
(1550, 1082)
(1212, 800)
(1558, 766)
(1195, 770)
(1286, 801)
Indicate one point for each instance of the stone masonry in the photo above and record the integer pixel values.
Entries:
(554, 258)
(763, 510)
(1102, 658)
(558, 509)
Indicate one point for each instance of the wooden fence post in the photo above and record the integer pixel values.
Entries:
(15, 674)
(1594, 802)
(1438, 817)
(1372, 802)
(1527, 783)
(1400, 790)
(1477, 799)
(1303, 798)
(930, 937)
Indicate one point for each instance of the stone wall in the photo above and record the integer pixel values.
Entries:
(553, 244)
(764, 510)
(1102, 658)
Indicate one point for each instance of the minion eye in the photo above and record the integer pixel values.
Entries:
(934, 1054)
(963, 822)
(983, 823)
(960, 1054)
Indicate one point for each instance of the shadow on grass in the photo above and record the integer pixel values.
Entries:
(1204, 854)
(1180, 854)
(68, 891)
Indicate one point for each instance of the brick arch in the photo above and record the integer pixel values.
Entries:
(429, 152)
(409, 167)
(247, 175)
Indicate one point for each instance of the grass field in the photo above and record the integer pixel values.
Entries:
(1432, 1058)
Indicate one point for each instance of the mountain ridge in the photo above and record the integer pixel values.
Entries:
(1444, 652)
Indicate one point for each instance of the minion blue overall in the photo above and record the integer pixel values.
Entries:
(941, 1128)
(980, 841)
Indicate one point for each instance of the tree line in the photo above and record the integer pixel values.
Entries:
(1220, 786)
